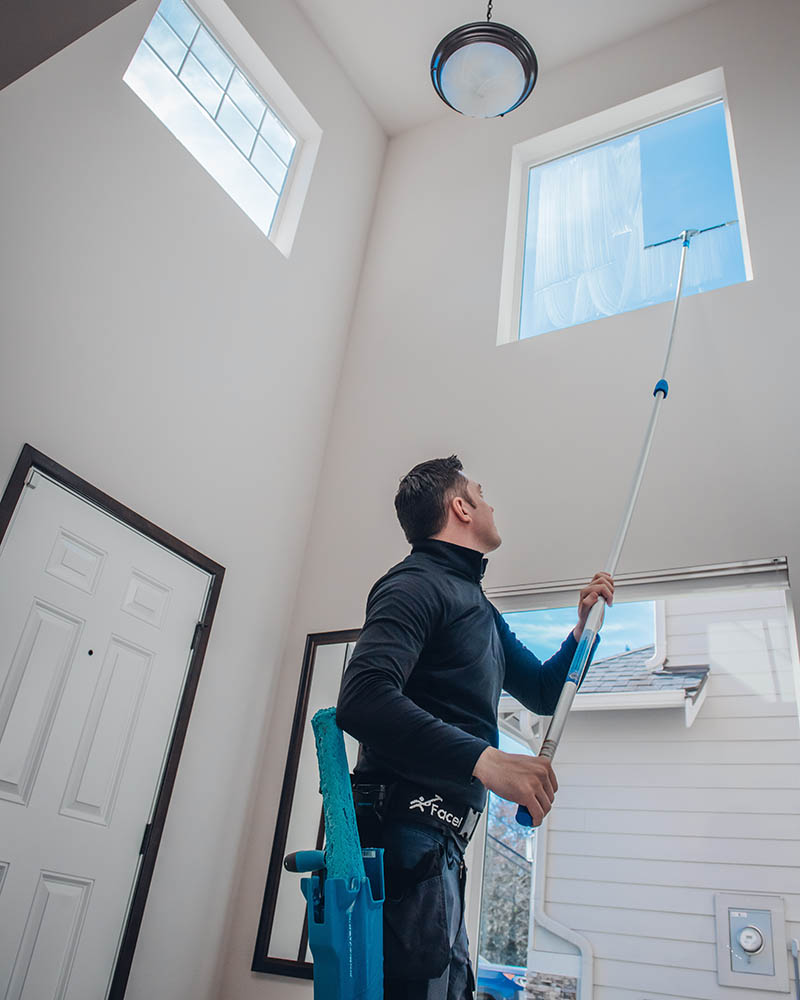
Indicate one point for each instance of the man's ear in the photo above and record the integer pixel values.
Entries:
(461, 509)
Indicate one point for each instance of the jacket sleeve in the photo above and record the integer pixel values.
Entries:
(534, 684)
(402, 613)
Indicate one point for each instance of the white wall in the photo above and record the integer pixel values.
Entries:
(157, 344)
(652, 819)
(552, 426)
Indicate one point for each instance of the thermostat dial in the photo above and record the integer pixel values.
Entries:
(751, 940)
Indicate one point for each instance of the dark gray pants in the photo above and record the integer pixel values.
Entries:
(425, 948)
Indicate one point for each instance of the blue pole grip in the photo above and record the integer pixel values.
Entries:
(524, 818)
(581, 658)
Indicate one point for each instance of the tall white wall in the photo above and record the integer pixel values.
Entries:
(652, 819)
(157, 344)
(552, 426)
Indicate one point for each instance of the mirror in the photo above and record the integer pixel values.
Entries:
(282, 942)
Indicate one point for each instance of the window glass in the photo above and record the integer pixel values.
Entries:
(626, 627)
(246, 99)
(163, 40)
(236, 126)
(277, 136)
(184, 21)
(268, 164)
(212, 57)
(507, 887)
(593, 217)
(630, 781)
(191, 83)
(201, 84)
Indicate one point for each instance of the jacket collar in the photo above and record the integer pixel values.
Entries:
(467, 562)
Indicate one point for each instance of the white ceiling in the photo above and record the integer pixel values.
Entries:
(386, 48)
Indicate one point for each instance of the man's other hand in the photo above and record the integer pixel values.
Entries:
(528, 781)
(601, 585)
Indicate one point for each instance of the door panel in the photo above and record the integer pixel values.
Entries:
(99, 764)
(31, 694)
(96, 625)
(50, 939)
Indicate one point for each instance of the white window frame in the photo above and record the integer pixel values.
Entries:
(677, 99)
(254, 64)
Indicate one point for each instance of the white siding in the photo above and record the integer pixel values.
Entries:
(652, 819)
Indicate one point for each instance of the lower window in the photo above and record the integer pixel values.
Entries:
(658, 808)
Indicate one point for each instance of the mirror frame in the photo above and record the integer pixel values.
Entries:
(262, 960)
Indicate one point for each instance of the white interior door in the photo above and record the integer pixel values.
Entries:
(96, 625)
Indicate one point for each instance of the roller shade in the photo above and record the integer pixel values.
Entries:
(769, 574)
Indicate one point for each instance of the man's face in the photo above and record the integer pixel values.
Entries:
(486, 534)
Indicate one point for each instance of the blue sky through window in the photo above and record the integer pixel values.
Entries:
(626, 626)
(686, 174)
(591, 214)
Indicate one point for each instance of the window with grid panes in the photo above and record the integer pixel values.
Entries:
(188, 79)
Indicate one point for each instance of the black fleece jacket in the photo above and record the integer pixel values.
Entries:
(421, 690)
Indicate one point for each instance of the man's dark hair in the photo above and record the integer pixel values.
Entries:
(424, 493)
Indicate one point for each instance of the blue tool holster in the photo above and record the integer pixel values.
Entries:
(345, 932)
(344, 893)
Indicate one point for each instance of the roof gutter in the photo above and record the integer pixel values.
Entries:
(694, 700)
(622, 700)
(691, 699)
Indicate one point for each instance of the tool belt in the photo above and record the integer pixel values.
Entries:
(406, 801)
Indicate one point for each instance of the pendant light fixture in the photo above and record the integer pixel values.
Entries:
(484, 69)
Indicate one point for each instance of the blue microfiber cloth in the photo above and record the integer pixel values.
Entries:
(342, 846)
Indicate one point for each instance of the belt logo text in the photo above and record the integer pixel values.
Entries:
(435, 810)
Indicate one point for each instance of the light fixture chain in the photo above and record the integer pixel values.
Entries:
(489, 11)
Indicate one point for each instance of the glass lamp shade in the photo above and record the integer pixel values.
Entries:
(484, 69)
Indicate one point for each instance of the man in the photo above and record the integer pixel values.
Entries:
(420, 693)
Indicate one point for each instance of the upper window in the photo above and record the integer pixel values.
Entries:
(597, 222)
(602, 204)
(215, 109)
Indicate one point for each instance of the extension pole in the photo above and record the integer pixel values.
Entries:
(593, 622)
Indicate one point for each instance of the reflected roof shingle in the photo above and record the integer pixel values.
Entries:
(628, 672)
